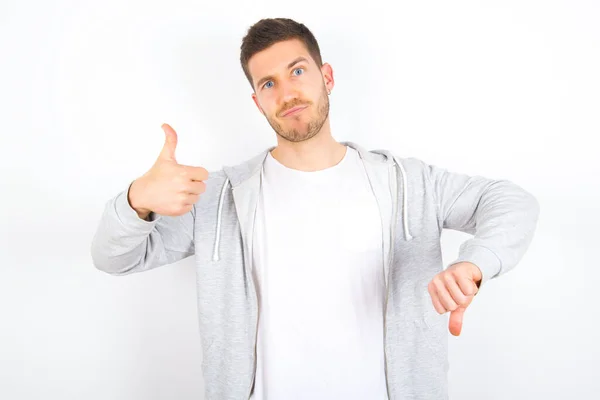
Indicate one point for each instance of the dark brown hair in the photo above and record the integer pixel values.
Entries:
(269, 31)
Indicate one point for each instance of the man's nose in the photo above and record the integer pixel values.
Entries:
(287, 91)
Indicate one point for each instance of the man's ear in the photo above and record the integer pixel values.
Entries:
(327, 72)
(256, 102)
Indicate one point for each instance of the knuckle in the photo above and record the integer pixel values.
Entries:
(449, 277)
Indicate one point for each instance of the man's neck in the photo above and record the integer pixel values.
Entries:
(315, 154)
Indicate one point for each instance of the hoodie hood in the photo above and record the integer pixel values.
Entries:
(236, 175)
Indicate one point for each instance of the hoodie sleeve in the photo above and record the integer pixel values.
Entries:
(501, 216)
(124, 243)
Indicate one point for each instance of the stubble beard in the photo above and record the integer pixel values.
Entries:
(311, 128)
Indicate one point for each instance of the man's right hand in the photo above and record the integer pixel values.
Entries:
(168, 188)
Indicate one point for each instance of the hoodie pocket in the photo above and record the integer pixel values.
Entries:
(434, 331)
(433, 328)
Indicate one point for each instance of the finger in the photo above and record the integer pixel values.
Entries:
(467, 286)
(195, 187)
(455, 291)
(456, 321)
(196, 173)
(437, 304)
(168, 150)
(468, 302)
(190, 199)
(443, 294)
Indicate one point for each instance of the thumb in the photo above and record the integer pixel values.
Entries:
(456, 320)
(168, 150)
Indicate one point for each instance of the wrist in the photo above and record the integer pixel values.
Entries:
(133, 198)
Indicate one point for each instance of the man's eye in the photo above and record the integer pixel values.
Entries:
(299, 69)
(268, 83)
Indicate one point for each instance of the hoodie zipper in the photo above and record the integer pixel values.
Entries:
(253, 290)
(254, 341)
(390, 263)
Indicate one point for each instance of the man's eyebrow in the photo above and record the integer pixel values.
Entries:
(296, 61)
(290, 65)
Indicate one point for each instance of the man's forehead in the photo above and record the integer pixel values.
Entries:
(277, 57)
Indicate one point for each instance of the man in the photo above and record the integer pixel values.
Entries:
(319, 266)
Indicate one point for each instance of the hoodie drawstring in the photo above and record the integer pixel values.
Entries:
(219, 214)
(407, 234)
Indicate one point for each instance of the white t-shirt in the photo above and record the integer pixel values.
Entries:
(318, 270)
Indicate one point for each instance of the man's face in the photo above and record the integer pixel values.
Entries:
(291, 89)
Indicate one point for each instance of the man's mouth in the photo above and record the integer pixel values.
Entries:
(293, 110)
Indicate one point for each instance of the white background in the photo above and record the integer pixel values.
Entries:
(506, 89)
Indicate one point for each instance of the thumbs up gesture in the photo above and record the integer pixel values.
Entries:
(453, 290)
(168, 188)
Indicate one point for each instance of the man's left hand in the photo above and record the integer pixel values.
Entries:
(453, 290)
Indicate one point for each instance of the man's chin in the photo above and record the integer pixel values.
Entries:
(299, 137)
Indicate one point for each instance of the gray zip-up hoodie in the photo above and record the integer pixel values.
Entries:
(416, 202)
